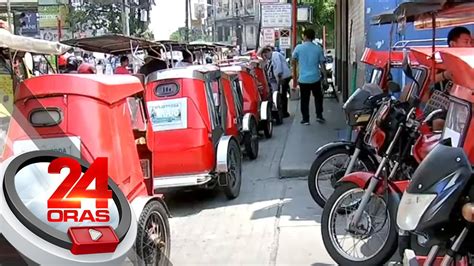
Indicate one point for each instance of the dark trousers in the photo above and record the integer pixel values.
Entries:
(306, 90)
(285, 89)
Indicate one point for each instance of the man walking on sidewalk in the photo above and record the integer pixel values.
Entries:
(278, 70)
(309, 58)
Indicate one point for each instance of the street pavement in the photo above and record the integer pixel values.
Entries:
(303, 141)
(274, 221)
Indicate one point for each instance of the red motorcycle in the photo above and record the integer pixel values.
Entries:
(366, 203)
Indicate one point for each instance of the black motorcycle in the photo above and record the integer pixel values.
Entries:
(339, 158)
(438, 207)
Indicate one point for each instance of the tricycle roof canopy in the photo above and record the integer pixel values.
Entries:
(408, 9)
(113, 44)
(461, 61)
(381, 58)
(173, 45)
(192, 72)
(214, 44)
(26, 44)
(109, 89)
(450, 16)
(411, 9)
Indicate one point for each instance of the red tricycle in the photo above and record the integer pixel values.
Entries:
(243, 126)
(51, 114)
(188, 131)
(258, 109)
(92, 116)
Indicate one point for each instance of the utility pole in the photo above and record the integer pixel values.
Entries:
(9, 19)
(187, 21)
(324, 38)
(294, 33)
(238, 27)
(214, 18)
(125, 18)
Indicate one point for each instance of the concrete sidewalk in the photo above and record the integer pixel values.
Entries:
(303, 141)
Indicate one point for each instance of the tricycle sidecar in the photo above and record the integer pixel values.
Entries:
(91, 116)
(243, 126)
(259, 109)
(188, 131)
(258, 67)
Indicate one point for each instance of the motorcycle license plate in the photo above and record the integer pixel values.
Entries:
(67, 145)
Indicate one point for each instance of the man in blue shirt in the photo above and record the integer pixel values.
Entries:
(310, 60)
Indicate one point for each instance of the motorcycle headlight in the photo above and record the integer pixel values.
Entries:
(411, 209)
(457, 121)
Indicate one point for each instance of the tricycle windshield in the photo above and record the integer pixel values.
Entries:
(211, 105)
(376, 76)
(457, 122)
(137, 114)
(237, 92)
(411, 91)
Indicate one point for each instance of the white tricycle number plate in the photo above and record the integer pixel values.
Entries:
(67, 145)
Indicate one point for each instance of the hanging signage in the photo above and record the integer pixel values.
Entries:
(276, 16)
(30, 21)
(48, 16)
(285, 39)
(305, 14)
(269, 37)
(52, 35)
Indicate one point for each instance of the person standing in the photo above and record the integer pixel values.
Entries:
(123, 68)
(309, 58)
(281, 74)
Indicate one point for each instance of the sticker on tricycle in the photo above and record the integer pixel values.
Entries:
(168, 114)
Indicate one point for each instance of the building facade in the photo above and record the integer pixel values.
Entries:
(355, 32)
(235, 22)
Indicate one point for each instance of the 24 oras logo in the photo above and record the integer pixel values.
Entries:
(66, 203)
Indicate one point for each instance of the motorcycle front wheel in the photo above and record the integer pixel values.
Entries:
(373, 241)
(329, 167)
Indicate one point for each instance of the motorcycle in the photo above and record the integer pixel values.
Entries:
(337, 159)
(437, 207)
(442, 190)
(368, 202)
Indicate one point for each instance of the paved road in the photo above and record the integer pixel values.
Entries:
(273, 222)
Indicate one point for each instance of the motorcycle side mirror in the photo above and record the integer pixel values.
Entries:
(406, 66)
(432, 114)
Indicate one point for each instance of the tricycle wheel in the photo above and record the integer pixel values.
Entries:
(268, 126)
(153, 236)
(234, 174)
(279, 112)
(251, 141)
